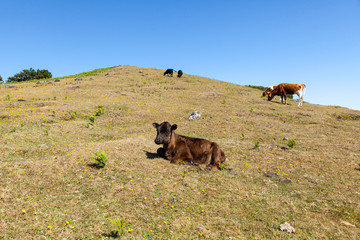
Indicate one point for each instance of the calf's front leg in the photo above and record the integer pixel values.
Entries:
(161, 152)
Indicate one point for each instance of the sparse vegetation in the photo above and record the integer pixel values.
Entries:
(123, 107)
(262, 88)
(52, 189)
(347, 116)
(90, 73)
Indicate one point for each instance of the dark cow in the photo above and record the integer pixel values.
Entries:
(178, 148)
(169, 72)
(180, 73)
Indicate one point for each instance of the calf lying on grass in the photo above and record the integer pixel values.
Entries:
(178, 148)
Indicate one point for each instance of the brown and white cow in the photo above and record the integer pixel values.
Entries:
(178, 148)
(287, 88)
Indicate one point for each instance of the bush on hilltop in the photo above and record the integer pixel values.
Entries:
(30, 74)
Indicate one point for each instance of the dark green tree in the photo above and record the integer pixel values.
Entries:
(30, 74)
(1, 80)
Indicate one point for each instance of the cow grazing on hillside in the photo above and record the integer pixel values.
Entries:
(180, 73)
(178, 148)
(288, 88)
(268, 90)
(169, 72)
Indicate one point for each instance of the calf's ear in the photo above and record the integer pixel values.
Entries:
(173, 127)
(155, 125)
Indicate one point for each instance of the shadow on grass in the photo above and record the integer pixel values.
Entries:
(112, 234)
(150, 155)
(95, 165)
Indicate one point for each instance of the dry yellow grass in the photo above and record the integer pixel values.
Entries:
(49, 191)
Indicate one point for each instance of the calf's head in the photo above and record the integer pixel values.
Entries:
(270, 96)
(164, 131)
(268, 90)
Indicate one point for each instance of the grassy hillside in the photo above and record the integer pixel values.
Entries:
(51, 190)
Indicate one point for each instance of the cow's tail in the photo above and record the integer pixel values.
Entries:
(303, 86)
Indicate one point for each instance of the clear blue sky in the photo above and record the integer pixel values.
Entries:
(256, 42)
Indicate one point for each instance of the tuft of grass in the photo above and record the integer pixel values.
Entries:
(92, 119)
(221, 166)
(256, 144)
(100, 158)
(119, 224)
(99, 111)
(291, 143)
(73, 115)
(242, 136)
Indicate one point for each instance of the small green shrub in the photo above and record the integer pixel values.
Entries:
(73, 115)
(99, 111)
(100, 158)
(119, 224)
(92, 119)
(257, 143)
(291, 143)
